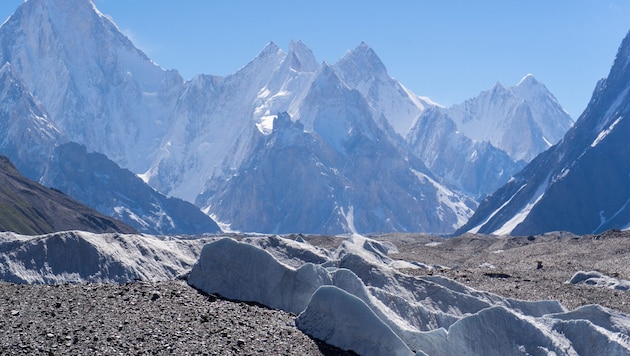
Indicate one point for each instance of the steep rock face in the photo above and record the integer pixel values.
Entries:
(579, 185)
(213, 118)
(30, 208)
(27, 136)
(333, 171)
(96, 86)
(287, 184)
(98, 182)
(475, 167)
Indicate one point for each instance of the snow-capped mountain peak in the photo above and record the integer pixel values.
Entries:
(528, 80)
(96, 86)
(302, 58)
(394, 106)
(364, 65)
(580, 184)
(194, 139)
(523, 120)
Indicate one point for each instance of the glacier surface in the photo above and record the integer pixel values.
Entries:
(355, 299)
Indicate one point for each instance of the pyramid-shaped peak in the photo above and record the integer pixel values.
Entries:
(361, 64)
(364, 54)
(302, 58)
(72, 21)
(528, 80)
(363, 46)
(270, 49)
(7, 69)
(499, 88)
(326, 78)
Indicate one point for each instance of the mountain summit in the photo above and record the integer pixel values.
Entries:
(522, 120)
(581, 184)
(196, 139)
(479, 144)
(96, 86)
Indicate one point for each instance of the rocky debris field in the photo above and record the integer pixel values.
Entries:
(142, 319)
(525, 267)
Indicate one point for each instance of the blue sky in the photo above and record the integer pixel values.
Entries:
(449, 50)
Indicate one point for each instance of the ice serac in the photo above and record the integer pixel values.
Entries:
(356, 300)
(339, 318)
(83, 257)
(96, 86)
(393, 106)
(582, 184)
(100, 183)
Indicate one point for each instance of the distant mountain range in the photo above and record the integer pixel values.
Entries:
(478, 145)
(285, 144)
(582, 184)
(94, 179)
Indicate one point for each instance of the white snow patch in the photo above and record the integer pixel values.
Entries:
(476, 229)
(265, 124)
(604, 220)
(519, 217)
(350, 219)
(605, 133)
(449, 201)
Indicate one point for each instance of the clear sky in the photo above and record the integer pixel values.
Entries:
(448, 50)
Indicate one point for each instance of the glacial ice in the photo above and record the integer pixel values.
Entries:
(357, 301)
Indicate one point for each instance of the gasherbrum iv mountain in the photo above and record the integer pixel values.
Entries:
(582, 184)
(285, 144)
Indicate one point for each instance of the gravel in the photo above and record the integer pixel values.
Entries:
(173, 318)
(142, 319)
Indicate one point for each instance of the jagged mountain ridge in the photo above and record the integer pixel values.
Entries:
(186, 137)
(479, 144)
(579, 185)
(522, 120)
(475, 167)
(30, 208)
